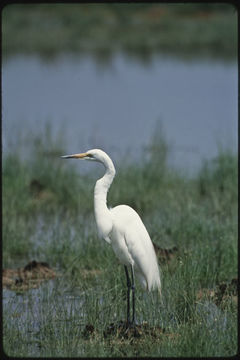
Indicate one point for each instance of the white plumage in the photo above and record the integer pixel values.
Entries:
(133, 246)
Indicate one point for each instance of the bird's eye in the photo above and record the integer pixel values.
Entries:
(90, 156)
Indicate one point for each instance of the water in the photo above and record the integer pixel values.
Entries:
(116, 107)
(29, 312)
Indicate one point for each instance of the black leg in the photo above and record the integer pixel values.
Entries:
(133, 296)
(128, 295)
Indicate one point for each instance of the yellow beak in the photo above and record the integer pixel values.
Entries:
(75, 156)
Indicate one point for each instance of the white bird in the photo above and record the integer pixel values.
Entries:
(122, 227)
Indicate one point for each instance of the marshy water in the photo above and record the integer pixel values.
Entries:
(118, 106)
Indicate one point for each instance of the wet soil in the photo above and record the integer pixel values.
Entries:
(165, 255)
(31, 276)
(39, 191)
(222, 293)
(121, 331)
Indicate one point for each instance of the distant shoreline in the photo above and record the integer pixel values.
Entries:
(139, 30)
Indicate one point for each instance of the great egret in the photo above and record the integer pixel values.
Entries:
(122, 227)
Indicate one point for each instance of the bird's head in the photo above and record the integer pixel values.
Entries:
(92, 155)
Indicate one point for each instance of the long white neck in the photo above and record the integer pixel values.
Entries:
(102, 213)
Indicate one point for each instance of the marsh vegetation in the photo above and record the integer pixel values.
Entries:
(139, 30)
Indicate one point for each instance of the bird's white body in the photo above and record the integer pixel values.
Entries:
(133, 246)
(122, 227)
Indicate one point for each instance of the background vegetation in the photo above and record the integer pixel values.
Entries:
(137, 29)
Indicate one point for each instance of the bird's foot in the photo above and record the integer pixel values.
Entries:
(130, 324)
(132, 329)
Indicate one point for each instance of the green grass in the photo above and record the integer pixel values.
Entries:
(138, 30)
(53, 221)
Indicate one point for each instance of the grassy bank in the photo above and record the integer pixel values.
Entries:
(48, 216)
(139, 30)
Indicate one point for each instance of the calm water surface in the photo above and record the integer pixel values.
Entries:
(117, 107)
